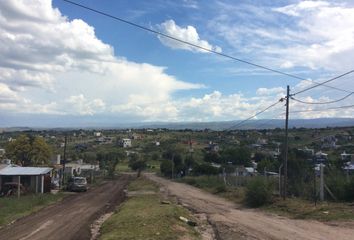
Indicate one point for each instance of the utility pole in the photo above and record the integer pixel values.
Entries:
(64, 161)
(285, 190)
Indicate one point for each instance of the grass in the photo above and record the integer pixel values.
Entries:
(216, 185)
(12, 208)
(123, 166)
(292, 207)
(301, 209)
(144, 217)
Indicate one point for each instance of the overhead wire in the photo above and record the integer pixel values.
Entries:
(323, 109)
(323, 83)
(255, 115)
(200, 47)
(329, 102)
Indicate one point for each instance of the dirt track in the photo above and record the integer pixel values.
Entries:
(232, 223)
(70, 218)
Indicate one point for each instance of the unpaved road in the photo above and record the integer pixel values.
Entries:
(70, 218)
(232, 223)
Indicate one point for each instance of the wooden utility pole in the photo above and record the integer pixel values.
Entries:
(285, 186)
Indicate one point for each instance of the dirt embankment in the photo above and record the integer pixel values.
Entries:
(231, 222)
(70, 218)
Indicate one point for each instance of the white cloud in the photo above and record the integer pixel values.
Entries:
(311, 34)
(84, 106)
(188, 34)
(51, 64)
(270, 91)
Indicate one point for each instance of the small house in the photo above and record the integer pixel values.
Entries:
(126, 142)
(33, 179)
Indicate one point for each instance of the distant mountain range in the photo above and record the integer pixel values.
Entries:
(251, 124)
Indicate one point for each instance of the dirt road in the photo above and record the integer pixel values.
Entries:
(70, 218)
(232, 223)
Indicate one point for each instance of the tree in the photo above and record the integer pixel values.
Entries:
(212, 157)
(138, 165)
(109, 161)
(237, 156)
(29, 151)
(166, 168)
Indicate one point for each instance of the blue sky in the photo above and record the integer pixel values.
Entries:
(64, 62)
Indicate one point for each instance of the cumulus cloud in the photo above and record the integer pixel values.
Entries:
(60, 66)
(188, 34)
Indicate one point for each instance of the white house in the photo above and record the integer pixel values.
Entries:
(126, 142)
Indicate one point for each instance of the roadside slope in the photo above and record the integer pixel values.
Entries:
(232, 223)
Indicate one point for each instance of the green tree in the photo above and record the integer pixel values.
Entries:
(137, 165)
(108, 161)
(29, 151)
(237, 156)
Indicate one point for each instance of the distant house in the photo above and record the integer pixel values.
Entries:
(79, 168)
(308, 151)
(33, 179)
(262, 141)
(321, 157)
(97, 134)
(212, 147)
(2, 152)
(329, 142)
(126, 142)
(347, 157)
(245, 171)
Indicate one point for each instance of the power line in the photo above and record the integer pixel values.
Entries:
(334, 101)
(258, 113)
(323, 83)
(197, 46)
(323, 109)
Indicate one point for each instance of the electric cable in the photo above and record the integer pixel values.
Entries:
(334, 101)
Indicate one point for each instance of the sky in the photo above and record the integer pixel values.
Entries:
(62, 65)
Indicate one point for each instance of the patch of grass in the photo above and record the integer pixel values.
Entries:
(216, 185)
(301, 209)
(12, 208)
(142, 183)
(123, 166)
(144, 217)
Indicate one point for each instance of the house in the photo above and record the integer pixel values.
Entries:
(33, 179)
(126, 142)
(2, 152)
(212, 147)
(308, 151)
(245, 171)
(347, 157)
(97, 134)
(349, 167)
(320, 157)
(79, 168)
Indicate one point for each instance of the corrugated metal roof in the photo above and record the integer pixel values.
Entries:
(14, 171)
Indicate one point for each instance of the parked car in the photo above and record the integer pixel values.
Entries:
(77, 184)
(11, 188)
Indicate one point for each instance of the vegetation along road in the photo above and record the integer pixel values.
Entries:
(231, 222)
(70, 218)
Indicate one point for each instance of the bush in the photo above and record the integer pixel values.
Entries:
(258, 192)
(205, 169)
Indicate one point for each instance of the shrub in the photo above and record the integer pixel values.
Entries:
(258, 192)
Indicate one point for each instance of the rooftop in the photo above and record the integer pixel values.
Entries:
(15, 171)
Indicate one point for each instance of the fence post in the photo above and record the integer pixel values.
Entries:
(321, 183)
